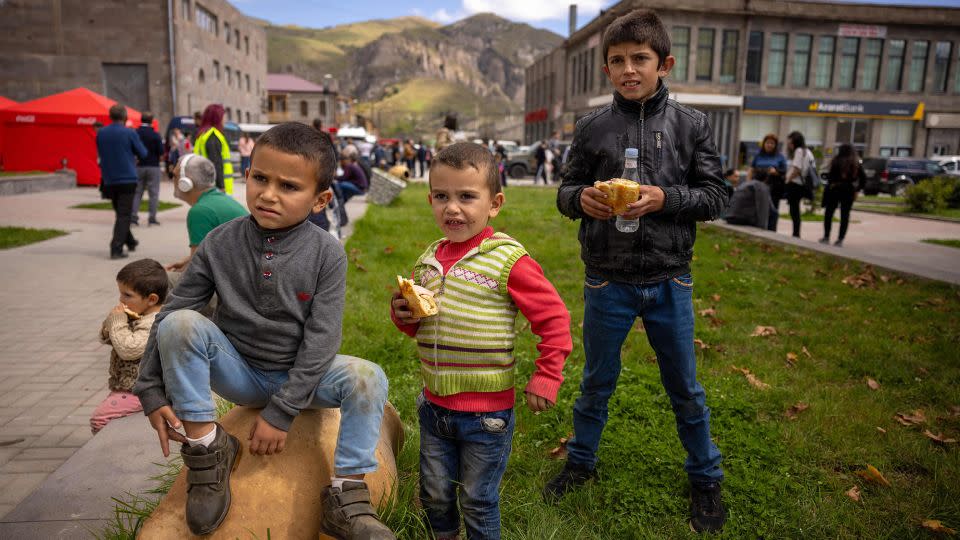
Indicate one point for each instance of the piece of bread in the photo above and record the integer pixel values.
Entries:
(620, 193)
(419, 300)
(130, 313)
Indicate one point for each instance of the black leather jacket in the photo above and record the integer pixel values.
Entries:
(677, 153)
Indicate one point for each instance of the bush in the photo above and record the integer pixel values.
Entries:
(935, 194)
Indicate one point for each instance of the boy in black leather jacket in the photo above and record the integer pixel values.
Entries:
(645, 273)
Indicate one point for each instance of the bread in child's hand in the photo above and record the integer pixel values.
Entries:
(419, 300)
(620, 193)
(130, 313)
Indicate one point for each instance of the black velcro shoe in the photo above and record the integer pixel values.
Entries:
(707, 513)
(348, 515)
(571, 477)
(208, 480)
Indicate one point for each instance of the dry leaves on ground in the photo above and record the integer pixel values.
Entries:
(936, 526)
(763, 331)
(560, 452)
(872, 475)
(939, 439)
(751, 378)
(911, 419)
(866, 279)
(388, 250)
(791, 359)
(796, 409)
(699, 343)
(806, 352)
(853, 493)
(881, 430)
(872, 384)
(709, 312)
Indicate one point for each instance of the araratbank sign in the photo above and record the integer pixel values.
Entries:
(832, 107)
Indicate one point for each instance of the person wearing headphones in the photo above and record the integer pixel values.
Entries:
(209, 207)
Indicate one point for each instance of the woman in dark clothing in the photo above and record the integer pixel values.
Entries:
(846, 178)
(800, 161)
(770, 167)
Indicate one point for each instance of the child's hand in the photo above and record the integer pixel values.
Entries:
(266, 439)
(165, 422)
(651, 200)
(399, 306)
(592, 200)
(537, 403)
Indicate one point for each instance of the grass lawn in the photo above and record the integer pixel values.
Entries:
(948, 213)
(951, 242)
(107, 205)
(11, 237)
(786, 478)
(881, 199)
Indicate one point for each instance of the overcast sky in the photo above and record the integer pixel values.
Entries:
(549, 14)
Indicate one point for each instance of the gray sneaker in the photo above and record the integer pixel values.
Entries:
(348, 515)
(208, 480)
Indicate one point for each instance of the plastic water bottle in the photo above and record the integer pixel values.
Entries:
(630, 172)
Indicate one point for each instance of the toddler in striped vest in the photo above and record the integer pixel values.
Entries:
(480, 280)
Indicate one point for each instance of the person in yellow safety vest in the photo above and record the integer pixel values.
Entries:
(211, 144)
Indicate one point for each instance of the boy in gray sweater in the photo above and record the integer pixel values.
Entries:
(271, 343)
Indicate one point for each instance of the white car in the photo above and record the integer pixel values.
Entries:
(950, 163)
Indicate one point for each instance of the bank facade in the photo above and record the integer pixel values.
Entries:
(883, 78)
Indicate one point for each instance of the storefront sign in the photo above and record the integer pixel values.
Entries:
(833, 107)
(538, 115)
(862, 30)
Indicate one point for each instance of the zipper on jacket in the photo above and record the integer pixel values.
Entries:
(642, 178)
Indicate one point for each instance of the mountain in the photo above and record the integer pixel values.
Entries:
(409, 72)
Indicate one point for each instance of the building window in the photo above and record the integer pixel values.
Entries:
(728, 56)
(681, 51)
(185, 9)
(801, 60)
(247, 78)
(216, 69)
(705, 54)
(248, 116)
(896, 48)
(323, 108)
(918, 66)
(852, 131)
(849, 49)
(754, 57)
(303, 108)
(824, 75)
(226, 31)
(573, 75)
(206, 20)
(229, 114)
(236, 37)
(870, 76)
(956, 77)
(258, 87)
(246, 44)
(896, 138)
(777, 64)
(229, 78)
(941, 65)
(201, 76)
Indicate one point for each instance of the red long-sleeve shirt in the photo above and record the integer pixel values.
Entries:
(540, 303)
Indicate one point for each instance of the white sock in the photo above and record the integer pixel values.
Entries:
(337, 482)
(205, 440)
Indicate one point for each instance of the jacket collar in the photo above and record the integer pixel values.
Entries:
(651, 105)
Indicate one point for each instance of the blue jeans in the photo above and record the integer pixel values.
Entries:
(197, 358)
(666, 308)
(349, 189)
(466, 450)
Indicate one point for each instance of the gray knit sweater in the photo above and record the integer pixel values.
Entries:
(281, 299)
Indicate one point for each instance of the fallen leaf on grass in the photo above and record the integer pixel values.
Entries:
(796, 409)
(699, 343)
(782, 280)
(936, 526)
(763, 331)
(715, 298)
(716, 247)
(866, 279)
(881, 430)
(806, 352)
(911, 419)
(751, 378)
(922, 371)
(716, 322)
(872, 384)
(560, 452)
(709, 312)
(853, 493)
(388, 250)
(736, 252)
(939, 439)
(801, 295)
(791, 359)
(872, 475)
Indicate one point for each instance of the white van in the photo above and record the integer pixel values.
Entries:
(950, 163)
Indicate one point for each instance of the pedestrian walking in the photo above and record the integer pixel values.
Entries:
(845, 178)
(245, 146)
(117, 148)
(800, 162)
(148, 171)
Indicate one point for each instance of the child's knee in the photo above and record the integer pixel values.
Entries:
(367, 380)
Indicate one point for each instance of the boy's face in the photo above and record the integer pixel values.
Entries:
(134, 301)
(461, 201)
(634, 69)
(282, 189)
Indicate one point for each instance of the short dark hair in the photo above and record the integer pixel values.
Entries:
(463, 155)
(145, 277)
(728, 172)
(306, 142)
(797, 139)
(639, 26)
(146, 118)
(118, 113)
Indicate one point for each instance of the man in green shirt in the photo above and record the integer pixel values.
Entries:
(209, 207)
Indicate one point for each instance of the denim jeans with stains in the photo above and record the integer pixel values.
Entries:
(203, 359)
(466, 451)
(666, 308)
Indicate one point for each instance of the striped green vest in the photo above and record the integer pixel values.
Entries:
(468, 346)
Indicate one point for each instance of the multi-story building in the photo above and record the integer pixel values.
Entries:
(883, 78)
(172, 57)
(291, 98)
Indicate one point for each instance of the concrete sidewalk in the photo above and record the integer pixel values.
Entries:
(55, 295)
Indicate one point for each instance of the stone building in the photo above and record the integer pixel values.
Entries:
(883, 78)
(291, 98)
(172, 57)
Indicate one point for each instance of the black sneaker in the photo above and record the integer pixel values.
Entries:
(208, 480)
(348, 515)
(572, 476)
(707, 513)
(132, 246)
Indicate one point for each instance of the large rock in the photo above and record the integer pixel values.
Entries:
(281, 493)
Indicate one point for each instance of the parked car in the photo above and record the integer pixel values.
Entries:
(523, 162)
(894, 175)
(951, 164)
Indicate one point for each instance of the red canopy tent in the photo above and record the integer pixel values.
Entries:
(39, 134)
(4, 103)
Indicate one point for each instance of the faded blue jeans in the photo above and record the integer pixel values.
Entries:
(610, 309)
(202, 359)
(468, 451)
